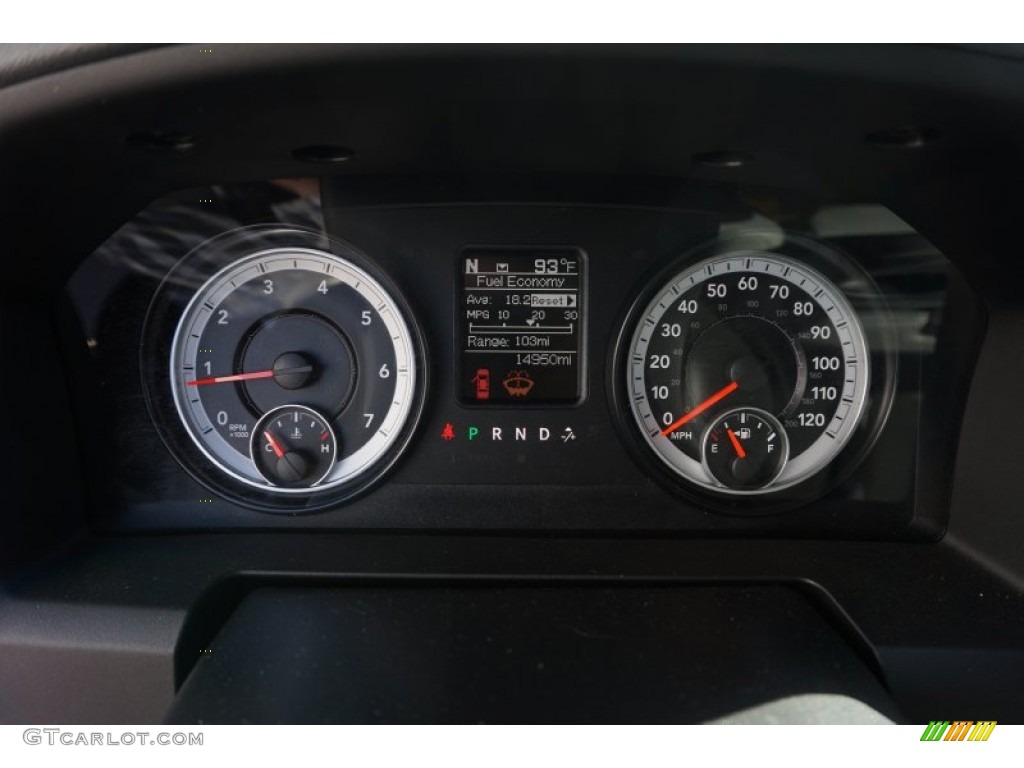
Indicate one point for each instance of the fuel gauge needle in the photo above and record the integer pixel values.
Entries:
(274, 444)
(737, 445)
(725, 391)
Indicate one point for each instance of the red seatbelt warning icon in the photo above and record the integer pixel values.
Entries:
(483, 383)
(448, 433)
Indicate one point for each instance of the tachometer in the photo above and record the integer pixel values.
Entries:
(765, 338)
(295, 372)
(292, 326)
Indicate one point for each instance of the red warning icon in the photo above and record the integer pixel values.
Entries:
(482, 380)
(518, 383)
(448, 433)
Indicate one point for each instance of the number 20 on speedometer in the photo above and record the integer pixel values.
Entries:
(747, 373)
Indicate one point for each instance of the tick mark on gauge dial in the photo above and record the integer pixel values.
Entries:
(293, 447)
(322, 336)
(745, 449)
(758, 332)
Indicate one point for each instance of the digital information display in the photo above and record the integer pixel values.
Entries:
(521, 327)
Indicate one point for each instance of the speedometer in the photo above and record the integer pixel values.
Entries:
(747, 373)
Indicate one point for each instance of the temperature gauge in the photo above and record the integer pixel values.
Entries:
(293, 447)
(745, 449)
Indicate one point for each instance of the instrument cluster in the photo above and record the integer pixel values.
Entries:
(520, 366)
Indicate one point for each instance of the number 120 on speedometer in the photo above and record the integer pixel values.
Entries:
(763, 338)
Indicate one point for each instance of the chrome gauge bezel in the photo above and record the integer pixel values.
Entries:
(875, 395)
(780, 268)
(264, 263)
(254, 438)
(764, 416)
(176, 310)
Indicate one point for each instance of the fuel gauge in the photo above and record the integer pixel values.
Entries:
(745, 449)
(293, 447)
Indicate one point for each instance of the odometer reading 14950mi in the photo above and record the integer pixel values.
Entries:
(521, 320)
(756, 333)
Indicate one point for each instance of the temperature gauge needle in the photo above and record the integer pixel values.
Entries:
(725, 391)
(274, 444)
(737, 445)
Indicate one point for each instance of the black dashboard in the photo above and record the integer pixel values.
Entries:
(555, 345)
(514, 353)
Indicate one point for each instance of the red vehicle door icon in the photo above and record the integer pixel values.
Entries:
(483, 384)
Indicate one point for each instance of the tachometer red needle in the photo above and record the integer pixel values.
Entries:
(725, 391)
(737, 445)
(274, 444)
(236, 377)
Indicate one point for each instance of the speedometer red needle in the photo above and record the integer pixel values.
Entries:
(274, 444)
(737, 445)
(725, 391)
(236, 377)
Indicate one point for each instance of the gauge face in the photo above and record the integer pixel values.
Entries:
(293, 331)
(293, 447)
(755, 331)
(745, 449)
